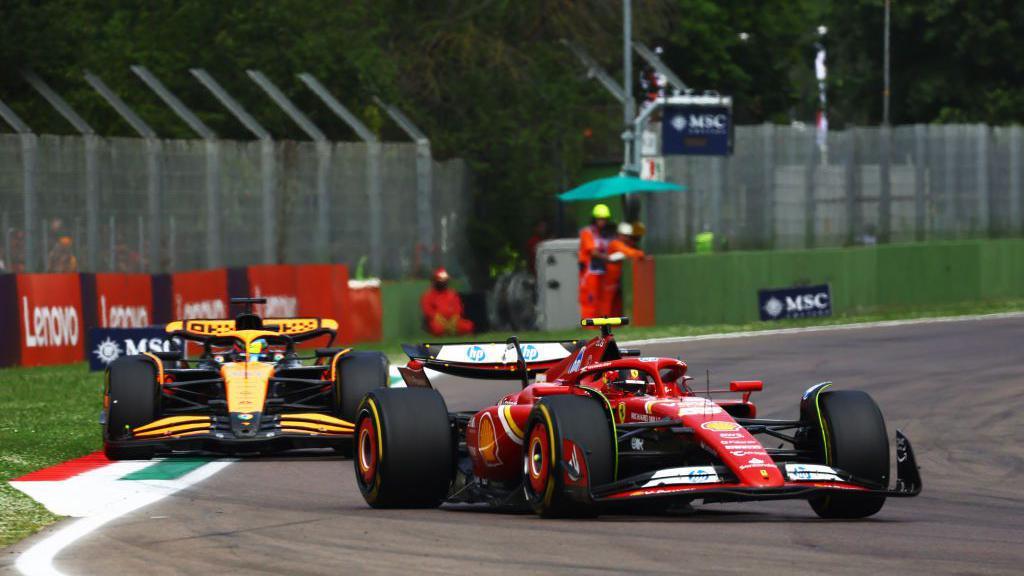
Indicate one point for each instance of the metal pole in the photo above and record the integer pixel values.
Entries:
(213, 240)
(29, 149)
(267, 159)
(885, 183)
(768, 184)
(424, 178)
(373, 173)
(982, 219)
(885, 90)
(920, 169)
(153, 164)
(1016, 222)
(323, 157)
(629, 135)
(594, 70)
(92, 199)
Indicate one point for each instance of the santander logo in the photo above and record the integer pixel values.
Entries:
(50, 326)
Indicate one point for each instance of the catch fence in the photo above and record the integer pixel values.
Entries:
(137, 205)
(868, 185)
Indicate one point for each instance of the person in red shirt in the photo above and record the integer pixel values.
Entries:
(442, 308)
(593, 254)
(619, 249)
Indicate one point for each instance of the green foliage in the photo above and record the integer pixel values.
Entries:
(489, 80)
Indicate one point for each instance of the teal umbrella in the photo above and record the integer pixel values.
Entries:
(617, 186)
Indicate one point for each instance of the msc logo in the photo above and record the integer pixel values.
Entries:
(476, 354)
(700, 123)
(530, 353)
(796, 302)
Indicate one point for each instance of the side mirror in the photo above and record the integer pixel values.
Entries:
(746, 386)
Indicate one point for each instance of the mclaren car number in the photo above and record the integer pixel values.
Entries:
(810, 472)
(687, 475)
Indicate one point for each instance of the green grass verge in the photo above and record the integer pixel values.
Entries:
(49, 415)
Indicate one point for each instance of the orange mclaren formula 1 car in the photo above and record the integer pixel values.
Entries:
(248, 391)
(596, 426)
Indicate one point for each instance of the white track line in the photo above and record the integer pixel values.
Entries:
(38, 560)
(826, 328)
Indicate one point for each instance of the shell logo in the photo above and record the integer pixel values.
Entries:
(720, 426)
(487, 441)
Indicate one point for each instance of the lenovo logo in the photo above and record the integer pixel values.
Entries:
(200, 309)
(48, 326)
(122, 316)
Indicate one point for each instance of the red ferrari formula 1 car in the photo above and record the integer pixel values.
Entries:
(596, 426)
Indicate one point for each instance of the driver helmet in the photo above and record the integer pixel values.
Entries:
(257, 350)
(628, 380)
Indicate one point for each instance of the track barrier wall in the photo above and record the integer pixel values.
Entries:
(45, 317)
(722, 288)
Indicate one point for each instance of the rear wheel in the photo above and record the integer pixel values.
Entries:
(570, 446)
(404, 448)
(854, 440)
(132, 390)
(358, 374)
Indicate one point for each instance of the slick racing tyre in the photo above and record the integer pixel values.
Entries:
(358, 374)
(854, 440)
(133, 394)
(569, 447)
(404, 448)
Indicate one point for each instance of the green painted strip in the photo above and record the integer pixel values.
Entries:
(170, 469)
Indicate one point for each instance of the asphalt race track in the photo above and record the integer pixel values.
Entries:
(957, 390)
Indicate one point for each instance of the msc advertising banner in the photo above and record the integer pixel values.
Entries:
(799, 302)
(696, 130)
(108, 344)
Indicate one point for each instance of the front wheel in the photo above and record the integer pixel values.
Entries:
(358, 373)
(132, 401)
(569, 448)
(851, 434)
(404, 448)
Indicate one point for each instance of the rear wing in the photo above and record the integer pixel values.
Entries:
(485, 360)
(283, 326)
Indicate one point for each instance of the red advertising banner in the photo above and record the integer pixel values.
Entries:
(365, 313)
(278, 284)
(50, 314)
(124, 300)
(322, 290)
(200, 294)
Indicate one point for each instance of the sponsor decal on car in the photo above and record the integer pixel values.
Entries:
(476, 354)
(720, 426)
(685, 475)
(810, 472)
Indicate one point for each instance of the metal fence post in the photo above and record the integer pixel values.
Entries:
(810, 200)
(768, 184)
(29, 151)
(920, 174)
(949, 188)
(92, 188)
(373, 173)
(267, 159)
(1015, 223)
(153, 162)
(885, 185)
(323, 158)
(213, 239)
(852, 176)
(982, 180)
(424, 180)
